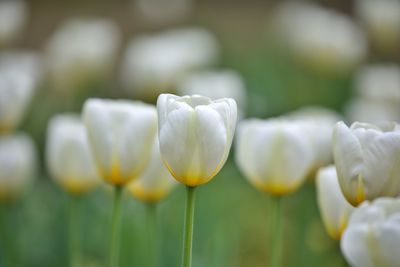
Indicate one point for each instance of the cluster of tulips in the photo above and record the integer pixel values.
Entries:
(116, 141)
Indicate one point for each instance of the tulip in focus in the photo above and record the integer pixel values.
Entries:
(153, 64)
(274, 155)
(372, 238)
(334, 208)
(121, 134)
(195, 135)
(216, 85)
(69, 158)
(82, 52)
(366, 158)
(156, 182)
(17, 165)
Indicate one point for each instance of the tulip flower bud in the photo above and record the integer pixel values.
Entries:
(334, 208)
(121, 134)
(156, 182)
(274, 155)
(69, 158)
(366, 158)
(82, 52)
(13, 15)
(17, 165)
(18, 79)
(195, 135)
(372, 237)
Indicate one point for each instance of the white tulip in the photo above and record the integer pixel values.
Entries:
(13, 15)
(334, 208)
(379, 82)
(366, 158)
(372, 111)
(215, 85)
(153, 64)
(19, 76)
(68, 155)
(82, 51)
(274, 155)
(372, 237)
(156, 182)
(17, 165)
(321, 122)
(195, 135)
(121, 134)
(382, 20)
(332, 41)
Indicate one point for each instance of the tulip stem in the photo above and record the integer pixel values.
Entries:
(151, 221)
(276, 231)
(115, 227)
(74, 249)
(188, 234)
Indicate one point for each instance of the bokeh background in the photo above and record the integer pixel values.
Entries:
(231, 220)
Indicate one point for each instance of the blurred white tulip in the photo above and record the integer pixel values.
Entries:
(372, 111)
(372, 238)
(82, 51)
(332, 41)
(17, 165)
(156, 182)
(334, 208)
(121, 134)
(366, 158)
(195, 135)
(153, 64)
(379, 82)
(382, 20)
(164, 11)
(13, 15)
(274, 155)
(320, 123)
(69, 159)
(216, 85)
(19, 76)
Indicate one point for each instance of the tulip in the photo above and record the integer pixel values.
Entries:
(69, 158)
(382, 21)
(13, 15)
(195, 135)
(366, 160)
(372, 237)
(18, 79)
(156, 182)
(274, 155)
(17, 165)
(333, 42)
(75, 58)
(120, 135)
(216, 85)
(334, 208)
(153, 64)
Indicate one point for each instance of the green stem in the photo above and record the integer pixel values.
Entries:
(276, 232)
(189, 217)
(151, 224)
(115, 227)
(74, 249)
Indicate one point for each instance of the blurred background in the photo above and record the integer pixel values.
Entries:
(278, 55)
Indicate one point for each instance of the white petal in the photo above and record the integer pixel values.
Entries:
(354, 246)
